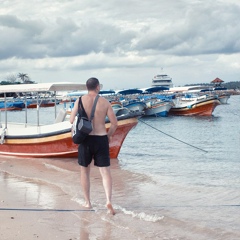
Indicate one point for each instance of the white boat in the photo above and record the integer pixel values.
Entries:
(194, 105)
(51, 140)
(134, 105)
(130, 99)
(157, 107)
(223, 98)
(221, 92)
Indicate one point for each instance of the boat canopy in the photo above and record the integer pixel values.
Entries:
(156, 89)
(76, 93)
(42, 87)
(220, 88)
(213, 89)
(186, 88)
(129, 91)
(107, 92)
(206, 90)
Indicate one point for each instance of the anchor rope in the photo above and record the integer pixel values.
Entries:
(173, 137)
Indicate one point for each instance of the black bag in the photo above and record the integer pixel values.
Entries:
(82, 126)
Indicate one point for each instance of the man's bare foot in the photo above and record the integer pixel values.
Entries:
(87, 205)
(110, 209)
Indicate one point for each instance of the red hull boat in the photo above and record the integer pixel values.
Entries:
(57, 142)
(54, 140)
(195, 107)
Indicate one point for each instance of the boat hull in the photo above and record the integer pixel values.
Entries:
(136, 106)
(58, 143)
(158, 110)
(204, 108)
(11, 109)
(223, 99)
(12, 106)
(34, 104)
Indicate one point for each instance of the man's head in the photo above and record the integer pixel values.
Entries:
(92, 84)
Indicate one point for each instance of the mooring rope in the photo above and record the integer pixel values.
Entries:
(173, 137)
(46, 210)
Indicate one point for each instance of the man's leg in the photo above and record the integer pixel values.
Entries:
(107, 184)
(85, 182)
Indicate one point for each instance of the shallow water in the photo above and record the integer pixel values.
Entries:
(175, 178)
(193, 185)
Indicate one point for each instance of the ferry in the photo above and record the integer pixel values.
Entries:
(162, 80)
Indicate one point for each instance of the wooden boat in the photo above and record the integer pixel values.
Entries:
(52, 140)
(134, 105)
(157, 107)
(116, 104)
(11, 105)
(43, 103)
(223, 98)
(221, 92)
(194, 105)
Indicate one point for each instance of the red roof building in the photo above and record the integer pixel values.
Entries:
(217, 81)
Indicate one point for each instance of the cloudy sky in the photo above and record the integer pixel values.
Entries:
(124, 43)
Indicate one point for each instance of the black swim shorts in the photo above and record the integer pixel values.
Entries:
(94, 147)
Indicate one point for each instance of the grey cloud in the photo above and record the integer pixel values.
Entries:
(202, 30)
(90, 37)
(181, 29)
(31, 39)
(17, 36)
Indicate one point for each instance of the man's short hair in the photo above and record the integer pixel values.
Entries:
(92, 83)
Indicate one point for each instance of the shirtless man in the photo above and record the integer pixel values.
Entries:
(96, 145)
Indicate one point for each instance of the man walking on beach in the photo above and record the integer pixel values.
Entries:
(96, 144)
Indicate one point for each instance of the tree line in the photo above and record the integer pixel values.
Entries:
(228, 85)
(16, 79)
(24, 78)
(232, 85)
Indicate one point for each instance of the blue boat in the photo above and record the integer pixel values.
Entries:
(13, 105)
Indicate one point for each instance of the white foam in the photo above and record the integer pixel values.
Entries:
(113, 223)
(141, 215)
(50, 166)
(78, 200)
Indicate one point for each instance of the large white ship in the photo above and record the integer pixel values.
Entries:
(162, 80)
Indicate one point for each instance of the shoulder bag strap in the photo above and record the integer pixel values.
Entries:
(79, 105)
(94, 107)
(81, 109)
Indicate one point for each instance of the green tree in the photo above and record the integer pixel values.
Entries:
(24, 77)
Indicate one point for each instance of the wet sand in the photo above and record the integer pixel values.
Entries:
(44, 211)
(33, 206)
(42, 199)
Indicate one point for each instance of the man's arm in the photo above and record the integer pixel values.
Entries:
(113, 122)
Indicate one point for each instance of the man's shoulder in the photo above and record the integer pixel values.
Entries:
(104, 100)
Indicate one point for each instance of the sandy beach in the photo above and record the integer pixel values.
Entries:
(42, 199)
(33, 206)
(33, 209)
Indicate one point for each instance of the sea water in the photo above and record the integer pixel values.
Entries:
(195, 162)
(176, 177)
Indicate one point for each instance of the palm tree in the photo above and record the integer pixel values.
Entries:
(24, 77)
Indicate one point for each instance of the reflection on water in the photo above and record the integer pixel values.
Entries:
(28, 192)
